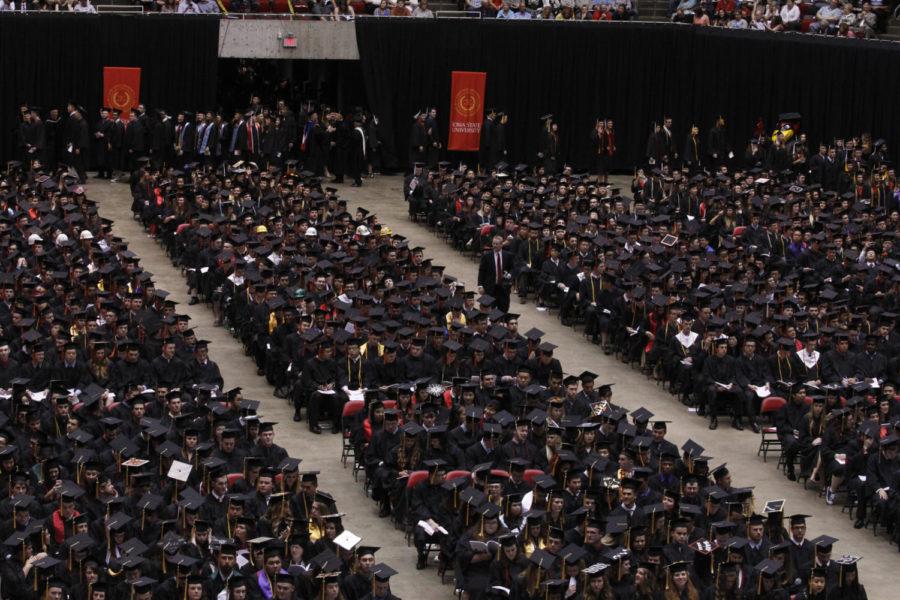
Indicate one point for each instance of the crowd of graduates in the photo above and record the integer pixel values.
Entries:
(523, 481)
(127, 470)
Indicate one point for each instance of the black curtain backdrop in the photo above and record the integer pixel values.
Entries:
(47, 59)
(632, 73)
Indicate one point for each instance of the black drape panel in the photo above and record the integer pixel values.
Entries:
(632, 73)
(47, 59)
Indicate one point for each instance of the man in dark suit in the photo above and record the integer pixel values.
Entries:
(494, 273)
(103, 145)
(78, 142)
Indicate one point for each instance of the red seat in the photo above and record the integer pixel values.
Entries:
(112, 406)
(769, 435)
(415, 478)
(352, 407)
(530, 474)
(233, 478)
(500, 473)
(389, 404)
(738, 231)
(457, 474)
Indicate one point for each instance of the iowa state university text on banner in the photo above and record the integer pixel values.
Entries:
(466, 110)
(122, 88)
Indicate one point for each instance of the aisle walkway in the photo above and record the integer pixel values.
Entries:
(384, 197)
(320, 452)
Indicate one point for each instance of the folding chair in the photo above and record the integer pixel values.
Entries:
(769, 440)
(351, 409)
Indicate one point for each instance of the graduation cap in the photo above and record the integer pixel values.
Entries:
(542, 559)
(382, 572)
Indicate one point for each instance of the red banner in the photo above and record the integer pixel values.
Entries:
(466, 110)
(122, 88)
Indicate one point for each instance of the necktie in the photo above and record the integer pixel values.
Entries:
(499, 267)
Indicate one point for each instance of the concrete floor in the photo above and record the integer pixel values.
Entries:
(383, 196)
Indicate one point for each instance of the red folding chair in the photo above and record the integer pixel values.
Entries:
(351, 408)
(769, 440)
(530, 474)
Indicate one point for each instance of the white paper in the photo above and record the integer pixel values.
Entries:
(763, 391)
(204, 269)
(347, 540)
(356, 394)
(180, 471)
(241, 559)
(426, 526)
(724, 386)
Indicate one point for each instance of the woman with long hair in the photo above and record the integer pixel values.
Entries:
(509, 564)
(512, 517)
(725, 584)
(678, 583)
(812, 429)
(597, 585)
(645, 579)
(848, 586)
(533, 535)
(278, 520)
(556, 516)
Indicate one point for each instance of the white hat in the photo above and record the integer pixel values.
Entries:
(86, 235)
(34, 238)
(61, 239)
(311, 232)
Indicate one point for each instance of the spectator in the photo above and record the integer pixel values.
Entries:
(504, 12)
(827, 18)
(208, 7)
(601, 12)
(621, 13)
(566, 14)
(737, 22)
(475, 6)
(726, 6)
(848, 16)
(758, 22)
(188, 7)
(491, 8)
(343, 11)
(83, 6)
(400, 9)
(775, 24)
(522, 12)
(546, 13)
(383, 10)
(422, 11)
(866, 21)
(790, 15)
(700, 17)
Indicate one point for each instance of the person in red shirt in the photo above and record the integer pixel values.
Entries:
(726, 6)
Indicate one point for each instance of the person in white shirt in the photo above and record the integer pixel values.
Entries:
(188, 7)
(827, 18)
(790, 15)
(422, 11)
(83, 6)
(208, 7)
